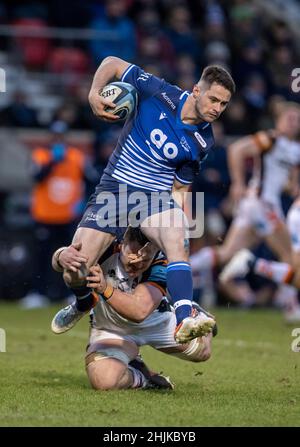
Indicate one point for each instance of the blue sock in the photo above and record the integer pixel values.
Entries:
(180, 287)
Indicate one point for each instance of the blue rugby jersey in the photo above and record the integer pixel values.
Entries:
(155, 145)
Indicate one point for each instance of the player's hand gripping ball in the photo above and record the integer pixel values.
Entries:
(124, 96)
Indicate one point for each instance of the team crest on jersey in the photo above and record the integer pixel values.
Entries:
(200, 139)
(185, 144)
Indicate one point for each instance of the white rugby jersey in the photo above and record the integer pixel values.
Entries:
(103, 315)
(274, 170)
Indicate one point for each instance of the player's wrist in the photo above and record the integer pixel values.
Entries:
(56, 256)
(108, 292)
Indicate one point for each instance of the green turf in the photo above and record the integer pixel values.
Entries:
(252, 378)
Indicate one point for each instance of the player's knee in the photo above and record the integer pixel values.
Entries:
(103, 377)
(104, 372)
(103, 382)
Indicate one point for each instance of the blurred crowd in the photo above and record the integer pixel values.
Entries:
(174, 39)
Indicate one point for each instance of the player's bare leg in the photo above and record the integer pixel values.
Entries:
(115, 364)
(197, 350)
(279, 241)
(105, 372)
(93, 245)
(169, 232)
(237, 237)
(281, 272)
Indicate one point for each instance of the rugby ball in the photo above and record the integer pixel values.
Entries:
(125, 97)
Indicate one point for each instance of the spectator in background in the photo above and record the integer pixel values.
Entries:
(217, 52)
(154, 45)
(244, 24)
(180, 31)
(235, 119)
(186, 72)
(251, 62)
(18, 113)
(214, 22)
(281, 65)
(57, 203)
(255, 97)
(122, 42)
(66, 113)
(85, 119)
(279, 34)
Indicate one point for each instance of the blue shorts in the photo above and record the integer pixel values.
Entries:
(114, 206)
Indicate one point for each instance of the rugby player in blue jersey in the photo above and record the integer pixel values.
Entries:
(159, 150)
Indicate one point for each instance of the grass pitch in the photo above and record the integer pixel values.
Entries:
(252, 379)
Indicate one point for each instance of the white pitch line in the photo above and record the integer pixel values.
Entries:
(85, 335)
(246, 344)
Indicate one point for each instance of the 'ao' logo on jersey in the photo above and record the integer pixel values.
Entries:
(200, 139)
(158, 138)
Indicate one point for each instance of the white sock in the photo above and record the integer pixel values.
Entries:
(290, 297)
(279, 272)
(139, 380)
(203, 259)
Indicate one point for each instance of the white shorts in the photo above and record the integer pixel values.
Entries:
(160, 334)
(293, 223)
(263, 217)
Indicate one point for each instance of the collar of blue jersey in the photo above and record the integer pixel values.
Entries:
(179, 122)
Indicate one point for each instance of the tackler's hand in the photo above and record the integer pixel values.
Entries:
(71, 258)
(96, 279)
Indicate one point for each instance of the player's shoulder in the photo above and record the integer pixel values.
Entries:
(170, 95)
(157, 271)
(265, 139)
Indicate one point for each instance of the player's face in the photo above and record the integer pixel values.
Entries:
(289, 123)
(137, 268)
(210, 101)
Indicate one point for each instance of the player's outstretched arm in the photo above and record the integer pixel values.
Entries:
(110, 68)
(237, 153)
(136, 306)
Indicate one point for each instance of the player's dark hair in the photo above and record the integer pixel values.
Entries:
(134, 234)
(218, 74)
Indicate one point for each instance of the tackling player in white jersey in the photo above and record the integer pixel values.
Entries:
(159, 150)
(132, 311)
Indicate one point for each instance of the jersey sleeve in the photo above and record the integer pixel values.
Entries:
(156, 275)
(186, 173)
(145, 83)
